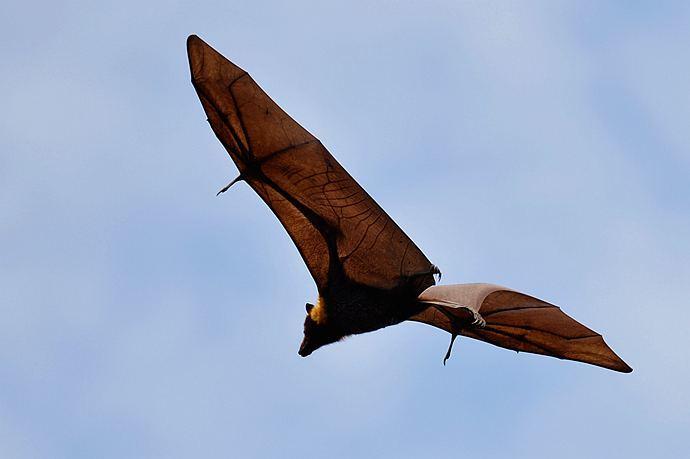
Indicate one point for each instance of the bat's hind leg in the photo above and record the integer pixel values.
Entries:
(450, 348)
(456, 326)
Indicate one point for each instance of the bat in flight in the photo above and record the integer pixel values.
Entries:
(368, 273)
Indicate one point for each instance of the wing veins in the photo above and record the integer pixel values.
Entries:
(527, 328)
(519, 308)
(241, 119)
(224, 119)
(544, 349)
(244, 74)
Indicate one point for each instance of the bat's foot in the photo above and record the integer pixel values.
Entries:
(450, 348)
(227, 187)
(478, 319)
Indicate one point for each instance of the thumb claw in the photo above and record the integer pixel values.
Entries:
(227, 187)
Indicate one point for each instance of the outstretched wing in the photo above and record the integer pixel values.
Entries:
(515, 321)
(330, 218)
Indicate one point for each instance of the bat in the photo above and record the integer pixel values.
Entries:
(368, 273)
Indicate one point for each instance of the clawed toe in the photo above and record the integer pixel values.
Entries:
(478, 320)
(435, 271)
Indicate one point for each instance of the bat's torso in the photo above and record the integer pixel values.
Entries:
(355, 308)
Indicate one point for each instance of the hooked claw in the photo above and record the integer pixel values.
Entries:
(435, 270)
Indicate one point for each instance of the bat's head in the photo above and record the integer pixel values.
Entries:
(317, 331)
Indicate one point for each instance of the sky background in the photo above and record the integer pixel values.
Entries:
(544, 146)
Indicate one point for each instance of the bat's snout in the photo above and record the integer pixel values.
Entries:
(305, 348)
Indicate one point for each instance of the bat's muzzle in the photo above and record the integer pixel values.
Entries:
(305, 348)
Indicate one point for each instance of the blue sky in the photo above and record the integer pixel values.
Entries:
(539, 145)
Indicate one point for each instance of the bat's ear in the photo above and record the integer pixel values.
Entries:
(309, 307)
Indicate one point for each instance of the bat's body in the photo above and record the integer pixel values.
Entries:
(351, 309)
(369, 274)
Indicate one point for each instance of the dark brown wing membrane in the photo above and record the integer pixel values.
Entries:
(522, 323)
(329, 217)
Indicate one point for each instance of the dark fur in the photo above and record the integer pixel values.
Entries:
(353, 308)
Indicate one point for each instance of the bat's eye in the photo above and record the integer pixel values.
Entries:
(309, 307)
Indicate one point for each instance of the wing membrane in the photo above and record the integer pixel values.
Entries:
(329, 216)
(516, 321)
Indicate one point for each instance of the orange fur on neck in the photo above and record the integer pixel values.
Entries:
(318, 312)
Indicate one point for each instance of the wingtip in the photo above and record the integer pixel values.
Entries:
(194, 43)
(612, 361)
(624, 368)
(205, 63)
(195, 52)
